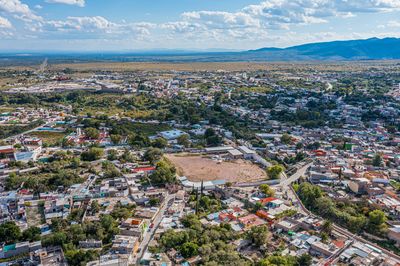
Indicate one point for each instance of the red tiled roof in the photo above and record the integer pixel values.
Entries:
(9, 150)
(338, 243)
(266, 200)
(144, 169)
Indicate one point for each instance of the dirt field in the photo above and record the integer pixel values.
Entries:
(197, 168)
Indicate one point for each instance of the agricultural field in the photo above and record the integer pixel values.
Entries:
(197, 168)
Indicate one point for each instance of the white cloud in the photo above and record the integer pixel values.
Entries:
(95, 28)
(224, 20)
(393, 24)
(80, 3)
(5, 23)
(18, 10)
(250, 26)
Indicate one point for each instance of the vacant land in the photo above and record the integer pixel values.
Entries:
(197, 168)
(49, 138)
(34, 215)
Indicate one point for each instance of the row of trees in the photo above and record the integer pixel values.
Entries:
(11, 233)
(356, 218)
(211, 242)
(65, 170)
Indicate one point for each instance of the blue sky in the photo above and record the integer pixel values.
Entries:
(123, 25)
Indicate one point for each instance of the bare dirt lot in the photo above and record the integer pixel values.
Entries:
(197, 168)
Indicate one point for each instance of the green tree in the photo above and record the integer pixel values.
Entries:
(377, 161)
(309, 194)
(212, 138)
(189, 249)
(160, 143)
(92, 154)
(10, 232)
(165, 173)
(92, 133)
(153, 155)
(377, 221)
(110, 171)
(304, 260)
(139, 140)
(55, 239)
(184, 140)
(259, 235)
(327, 227)
(115, 138)
(112, 155)
(154, 202)
(94, 206)
(13, 181)
(31, 234)
(279, 260)
(75, 162)
(286, 138)
(80, 257)
(267, 190)
(275, 171)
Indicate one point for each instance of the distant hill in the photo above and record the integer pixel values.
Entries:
(369, 49)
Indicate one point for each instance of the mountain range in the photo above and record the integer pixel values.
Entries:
(369, 49)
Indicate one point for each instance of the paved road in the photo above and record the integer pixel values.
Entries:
(149, 235)
(287, 189)
(302, 209)
(287, 181)
(284, 182)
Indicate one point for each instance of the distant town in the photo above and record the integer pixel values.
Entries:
(200, 164)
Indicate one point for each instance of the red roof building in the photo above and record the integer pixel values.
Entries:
(266, 200)
(144, 169)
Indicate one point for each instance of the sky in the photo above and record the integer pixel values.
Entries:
(131, 25)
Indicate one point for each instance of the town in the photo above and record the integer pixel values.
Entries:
(233, 164)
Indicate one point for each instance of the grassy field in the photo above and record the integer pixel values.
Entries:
(147, 129)
(49, 138)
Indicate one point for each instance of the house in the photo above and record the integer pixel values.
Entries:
(394, 234)
(147, 213)
(266, 201)
(375, 191)
(218, 150)
(89, 244)
(172, 134)
(7, 152)
(32, 141)
(13, 250)
(250, 220)
(125, 244)
(235, 154)
(287, 225)
(51, 256)
(320, 248)
(145, 170)
(248, 154)
(265, 215)
(133, 227)
(110, 260)
(359, 185)
(319, 177)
